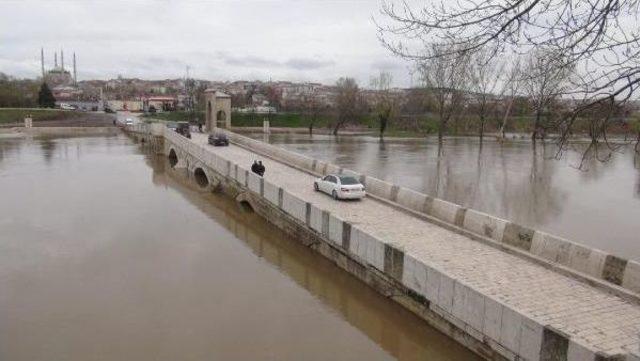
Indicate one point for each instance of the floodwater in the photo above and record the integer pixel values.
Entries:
(597, 205)
(107, 255)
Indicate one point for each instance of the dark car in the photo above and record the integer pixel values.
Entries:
(108, 110)
(218, 140)
(183, 128)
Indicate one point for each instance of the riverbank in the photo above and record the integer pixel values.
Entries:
(14, 118)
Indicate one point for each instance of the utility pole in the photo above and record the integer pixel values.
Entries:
(75, 75)
(42, 61)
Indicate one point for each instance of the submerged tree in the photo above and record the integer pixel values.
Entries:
(347, 105)
(45, 97)
(511, 85)
(385, 105)
(545, 80)
(484, 77)
(446, 78)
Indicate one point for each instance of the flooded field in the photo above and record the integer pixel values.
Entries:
(598, 205)
(105, 254)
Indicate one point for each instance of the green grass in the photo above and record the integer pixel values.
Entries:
(15, 115)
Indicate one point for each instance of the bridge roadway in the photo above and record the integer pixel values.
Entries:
(590, 316)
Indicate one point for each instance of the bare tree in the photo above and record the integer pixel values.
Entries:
(484, 74)
(312, 109)
(385, 105)
(347, 105)
(511, 84)
(600, 38)
(546, 79)
(445, 77)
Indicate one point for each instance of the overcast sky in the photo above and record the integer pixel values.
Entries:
(219, 40)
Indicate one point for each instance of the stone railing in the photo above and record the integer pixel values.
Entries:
(591, 262)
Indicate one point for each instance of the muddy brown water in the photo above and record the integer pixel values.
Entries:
(597, 204)
(105, 254)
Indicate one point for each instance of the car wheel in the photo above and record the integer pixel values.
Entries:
(315, 187)
(335, 195)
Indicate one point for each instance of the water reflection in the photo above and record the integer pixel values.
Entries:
(515, 180)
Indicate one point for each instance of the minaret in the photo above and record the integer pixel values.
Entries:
(62, 59)
(55, 60)
(75, 75)
(42, 61)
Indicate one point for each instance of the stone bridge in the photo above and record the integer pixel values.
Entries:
(505, 291)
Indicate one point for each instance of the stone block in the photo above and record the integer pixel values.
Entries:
(631, 278)
(393, 262)
(433, 284)
(333, 169)
(474, 309)
(354, 239)
(484, 224)
(444, 211)
(346, 235)
(254, 182)
(411, 199)
(375, 252)
(460, 294)
(551, 248)
(414, 275)
(586, 260)
(378, 188)
(445, 293)
(294, 206)
(613, 269)
(335, 230)
(518, 236)
(510, 329)
(316, 219)
(578, 352)
(530, 339)
(321, 167)
(270, 190)
(555, 345)
(492, 324)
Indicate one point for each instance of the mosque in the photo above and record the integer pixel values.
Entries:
(58, 75)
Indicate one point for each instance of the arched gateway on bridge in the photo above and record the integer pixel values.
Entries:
(218, 113)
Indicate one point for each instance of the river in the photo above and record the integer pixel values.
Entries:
(105, 254)
(597, 204)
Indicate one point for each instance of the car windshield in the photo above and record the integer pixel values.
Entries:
(348, 181)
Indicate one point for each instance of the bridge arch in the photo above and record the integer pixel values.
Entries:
(201, 177)
(173, 157)
(245, 201)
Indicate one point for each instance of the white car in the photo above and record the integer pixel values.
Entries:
(340, 186)
(128, 121)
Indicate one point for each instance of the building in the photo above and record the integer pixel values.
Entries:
(164, 103)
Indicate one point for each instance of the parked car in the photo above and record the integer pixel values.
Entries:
(183, 128)
(340, 187)
(218, 140)
(65, 106)
(128, 121)
(109, 110)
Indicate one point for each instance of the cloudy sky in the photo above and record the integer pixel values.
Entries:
(219, 40)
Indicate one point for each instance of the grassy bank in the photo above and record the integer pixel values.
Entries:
(16, 115)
